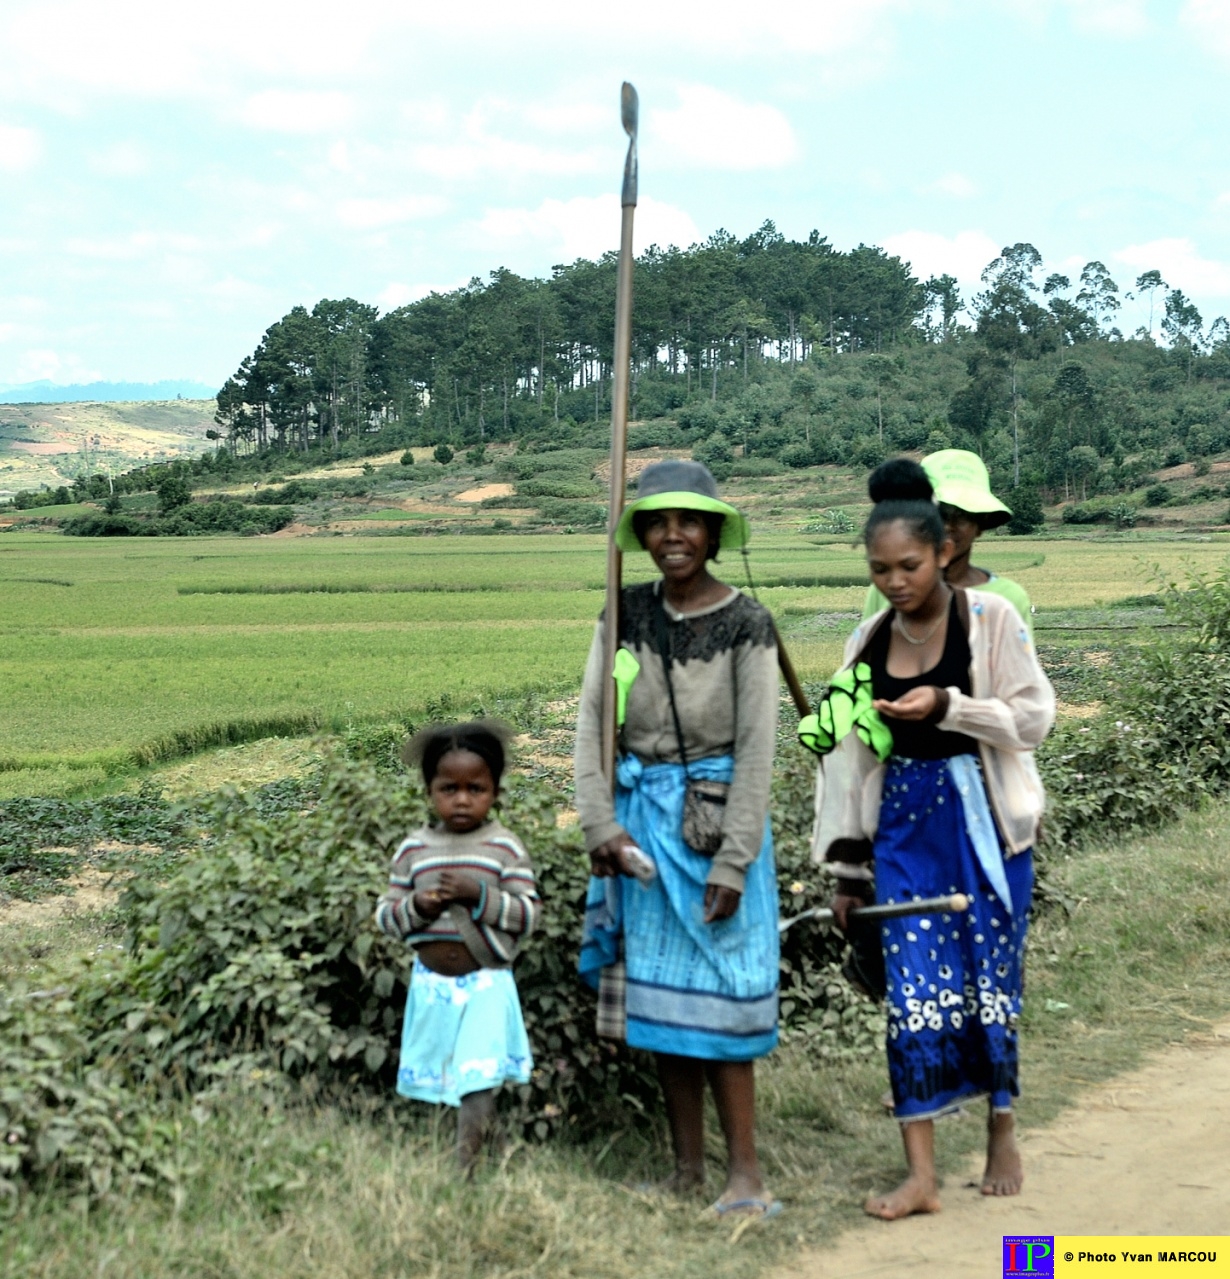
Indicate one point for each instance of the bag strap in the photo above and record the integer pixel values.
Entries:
(664, 645)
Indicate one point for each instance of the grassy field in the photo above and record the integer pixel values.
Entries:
(263, 1189)
(111, 644)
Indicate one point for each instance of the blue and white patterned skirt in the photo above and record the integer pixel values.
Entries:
(461, 1035)
(693, 989)
(954, 981)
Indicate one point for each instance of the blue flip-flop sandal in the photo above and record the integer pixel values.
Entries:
(759, 1207)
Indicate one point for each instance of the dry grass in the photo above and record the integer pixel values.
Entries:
(246, 767)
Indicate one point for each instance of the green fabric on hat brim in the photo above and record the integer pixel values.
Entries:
(960, 479)
(735, 529)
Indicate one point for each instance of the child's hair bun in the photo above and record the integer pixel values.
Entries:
(487, 738)
(900, 479)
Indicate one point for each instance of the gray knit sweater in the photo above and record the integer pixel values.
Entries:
(725, 678)
(506, 911)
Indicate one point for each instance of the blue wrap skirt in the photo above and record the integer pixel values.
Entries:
(954, 981)
(692, 989)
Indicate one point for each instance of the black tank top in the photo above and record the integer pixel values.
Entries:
(912, 739)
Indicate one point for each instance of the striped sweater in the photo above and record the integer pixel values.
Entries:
(505, 913)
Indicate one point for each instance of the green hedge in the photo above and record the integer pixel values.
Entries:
(222, 515)
(1162, 743)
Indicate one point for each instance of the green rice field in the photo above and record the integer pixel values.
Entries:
(111, 644)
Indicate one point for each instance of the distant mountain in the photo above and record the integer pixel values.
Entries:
(45, 392)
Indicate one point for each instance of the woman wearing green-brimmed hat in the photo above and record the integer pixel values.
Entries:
(963, 493)
(696, 928)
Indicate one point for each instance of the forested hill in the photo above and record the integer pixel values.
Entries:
(793, 350)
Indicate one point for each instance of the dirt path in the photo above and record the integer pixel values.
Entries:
(1146, 1153)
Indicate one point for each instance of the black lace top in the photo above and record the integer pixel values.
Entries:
(913, 739)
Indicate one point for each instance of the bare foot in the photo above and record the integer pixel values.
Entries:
(743, 1186)
(1003, 1175)
(913, 1195)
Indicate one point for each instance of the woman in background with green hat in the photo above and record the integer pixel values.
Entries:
(969, 508)
(685, 954)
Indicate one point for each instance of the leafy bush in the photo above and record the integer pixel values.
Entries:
(699, 417)
(25, 500)
(1163, 741)
(715, 449)
(556, 484)
(407, 458)
(1157, 495)
(585, 514)
(477, 456)
(222, 515)
(63, 1116)
(1026, 511)
(295, 491)
(655, 435)
(797, 455)
(753, 467)
(173, 492)
(443, 454)
(1081, 514)
(836, 521)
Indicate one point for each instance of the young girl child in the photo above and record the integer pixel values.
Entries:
(462, 893)
(954, 808)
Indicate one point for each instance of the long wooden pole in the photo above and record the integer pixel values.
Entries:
(797, 695)
(629, 108)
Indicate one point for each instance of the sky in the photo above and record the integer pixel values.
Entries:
(175, 177)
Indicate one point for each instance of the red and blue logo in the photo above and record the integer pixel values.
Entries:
(1029, 1256)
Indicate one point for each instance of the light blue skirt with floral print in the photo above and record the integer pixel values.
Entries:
(461, 1035)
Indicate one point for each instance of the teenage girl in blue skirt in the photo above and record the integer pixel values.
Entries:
(954, 808)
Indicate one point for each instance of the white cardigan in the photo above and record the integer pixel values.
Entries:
(1010, 710)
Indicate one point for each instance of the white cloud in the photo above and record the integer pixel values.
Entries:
(395, 294)
(205, 47)
(45, 364)
(1124, 18)
(120, 160)
(797, 26)
(370, 214)
(1209, 22)
(712, 130)
(197, 47)
(498, 136)
(1181, 266)
(232, 289)
(127, 248)
(1110, 17)
(963, 255)
(488, 155)
(19, 148)
(288, 112)
(586, 226)
(954, 184)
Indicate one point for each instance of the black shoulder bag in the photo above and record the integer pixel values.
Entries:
(704, 801)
